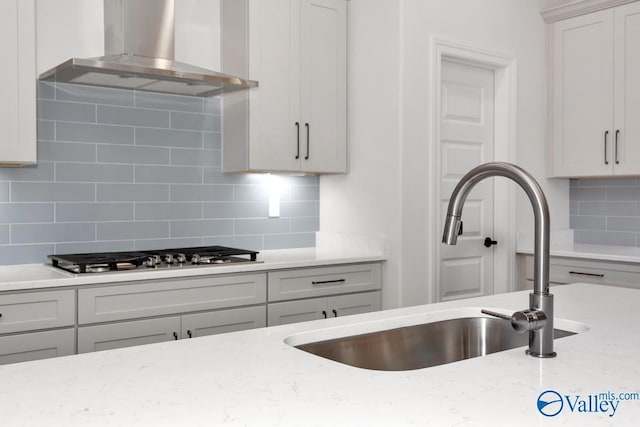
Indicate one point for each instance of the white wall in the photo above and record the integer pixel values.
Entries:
(392, 40)
(367, 200)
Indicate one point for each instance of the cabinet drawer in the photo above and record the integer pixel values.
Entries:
(569, 270)
(36, 310)
(37, 345)
(127, 334)
(153, 298)
(324, 281)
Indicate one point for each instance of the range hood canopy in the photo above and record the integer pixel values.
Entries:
(139, 54)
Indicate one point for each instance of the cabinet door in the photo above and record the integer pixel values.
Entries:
(582, 86)
(324, 91)
(346, 305)
(627, 90)
(17, 82)
(282, 313)
(222, 321)
(127, 334)
(274, 58)
(37, 345)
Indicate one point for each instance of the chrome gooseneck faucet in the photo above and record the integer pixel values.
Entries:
(538, 319)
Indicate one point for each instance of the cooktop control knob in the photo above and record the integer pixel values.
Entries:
(195, 259)
(153, 261)
(181, 258)
(168, 258)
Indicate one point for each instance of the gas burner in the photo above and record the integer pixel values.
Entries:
(152, 259)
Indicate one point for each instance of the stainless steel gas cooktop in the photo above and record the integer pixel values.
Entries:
(152, 259)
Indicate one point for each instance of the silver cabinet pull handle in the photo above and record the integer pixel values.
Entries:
(606, 134)
(325, 282)
(615, 147)
(580, 273)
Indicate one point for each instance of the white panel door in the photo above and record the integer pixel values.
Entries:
(324, 88)
(582, 120)
(626, 137)
(466, 140)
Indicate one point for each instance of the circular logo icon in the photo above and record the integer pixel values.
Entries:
(550, 403)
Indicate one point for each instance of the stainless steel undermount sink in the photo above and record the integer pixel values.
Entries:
(423, 345)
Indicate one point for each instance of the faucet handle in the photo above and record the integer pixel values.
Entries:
(494, 314)
(522, 321)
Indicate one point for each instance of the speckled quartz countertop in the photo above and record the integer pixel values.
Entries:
(593, 252)
(254, 378)
(331, 249)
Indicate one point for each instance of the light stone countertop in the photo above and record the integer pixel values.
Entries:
(593, 252)
(253, 378)
(37, 276)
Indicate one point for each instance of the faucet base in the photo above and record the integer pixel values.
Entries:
(541, 356)
(541, 340)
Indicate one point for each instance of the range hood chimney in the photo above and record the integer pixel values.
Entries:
(139, 54)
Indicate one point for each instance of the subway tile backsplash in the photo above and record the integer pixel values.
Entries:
(605, 211)
(124, 170)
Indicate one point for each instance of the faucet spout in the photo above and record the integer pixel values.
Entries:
(541, 338)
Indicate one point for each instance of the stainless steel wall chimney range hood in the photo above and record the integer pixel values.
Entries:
(139, 54)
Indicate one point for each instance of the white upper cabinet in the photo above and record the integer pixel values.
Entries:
(595, 94)
(626, 126)
(295, 121)
(18, 87)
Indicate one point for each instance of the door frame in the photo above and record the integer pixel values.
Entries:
(504, 67)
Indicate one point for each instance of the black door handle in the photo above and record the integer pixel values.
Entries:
(488, 242)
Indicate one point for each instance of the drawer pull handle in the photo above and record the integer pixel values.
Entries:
(325, 282)
(175, 336)
(190, 334)
(586, 274)
(335, 313)
(324, 313)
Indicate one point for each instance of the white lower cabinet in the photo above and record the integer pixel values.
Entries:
(150, 331)
(190, 307)
(37, 345)
(282, 313)
(304, 294)
(564, 270)
(24, 320)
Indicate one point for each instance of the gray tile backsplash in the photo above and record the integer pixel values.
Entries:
(124, 170)
(605, 211)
